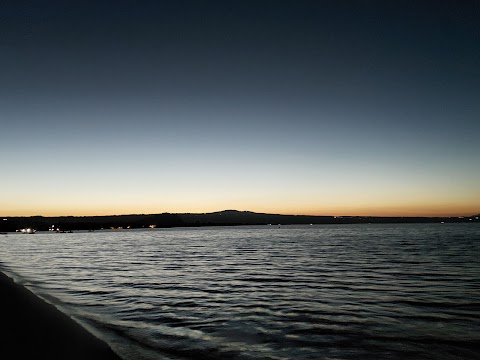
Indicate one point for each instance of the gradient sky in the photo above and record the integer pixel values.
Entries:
(295, 107)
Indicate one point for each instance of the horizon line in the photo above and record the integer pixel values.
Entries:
(254, 212)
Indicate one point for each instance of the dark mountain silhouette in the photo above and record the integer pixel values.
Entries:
(219, 218)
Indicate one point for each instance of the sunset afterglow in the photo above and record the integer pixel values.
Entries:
(292, 109)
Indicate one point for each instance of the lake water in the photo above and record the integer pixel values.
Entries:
(369, 291)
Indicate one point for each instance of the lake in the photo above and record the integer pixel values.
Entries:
(358, 291)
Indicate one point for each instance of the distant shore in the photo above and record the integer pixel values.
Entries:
(34, 329)
(219, 218)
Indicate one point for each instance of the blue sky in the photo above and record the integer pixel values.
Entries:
(327, 107)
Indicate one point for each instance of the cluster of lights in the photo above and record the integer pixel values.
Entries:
(27, 231)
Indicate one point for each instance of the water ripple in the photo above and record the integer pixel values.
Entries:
(404, 291)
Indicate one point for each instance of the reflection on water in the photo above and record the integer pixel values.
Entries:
(294, 292)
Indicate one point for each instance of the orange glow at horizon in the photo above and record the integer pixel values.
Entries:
(386, 211)
(193, 198)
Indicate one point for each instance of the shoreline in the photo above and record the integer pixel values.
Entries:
(219, 218)
(33, 328)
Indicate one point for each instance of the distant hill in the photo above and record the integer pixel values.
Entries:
(218, 218)
(235, 217)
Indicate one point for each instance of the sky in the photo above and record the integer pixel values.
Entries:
(291, 107)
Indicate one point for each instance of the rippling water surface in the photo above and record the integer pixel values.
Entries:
(264, 292)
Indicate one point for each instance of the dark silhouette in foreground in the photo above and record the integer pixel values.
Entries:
(34, 329)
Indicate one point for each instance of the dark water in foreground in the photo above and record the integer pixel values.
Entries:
(264, 292)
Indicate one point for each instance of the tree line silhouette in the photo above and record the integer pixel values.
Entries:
(219, 218)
